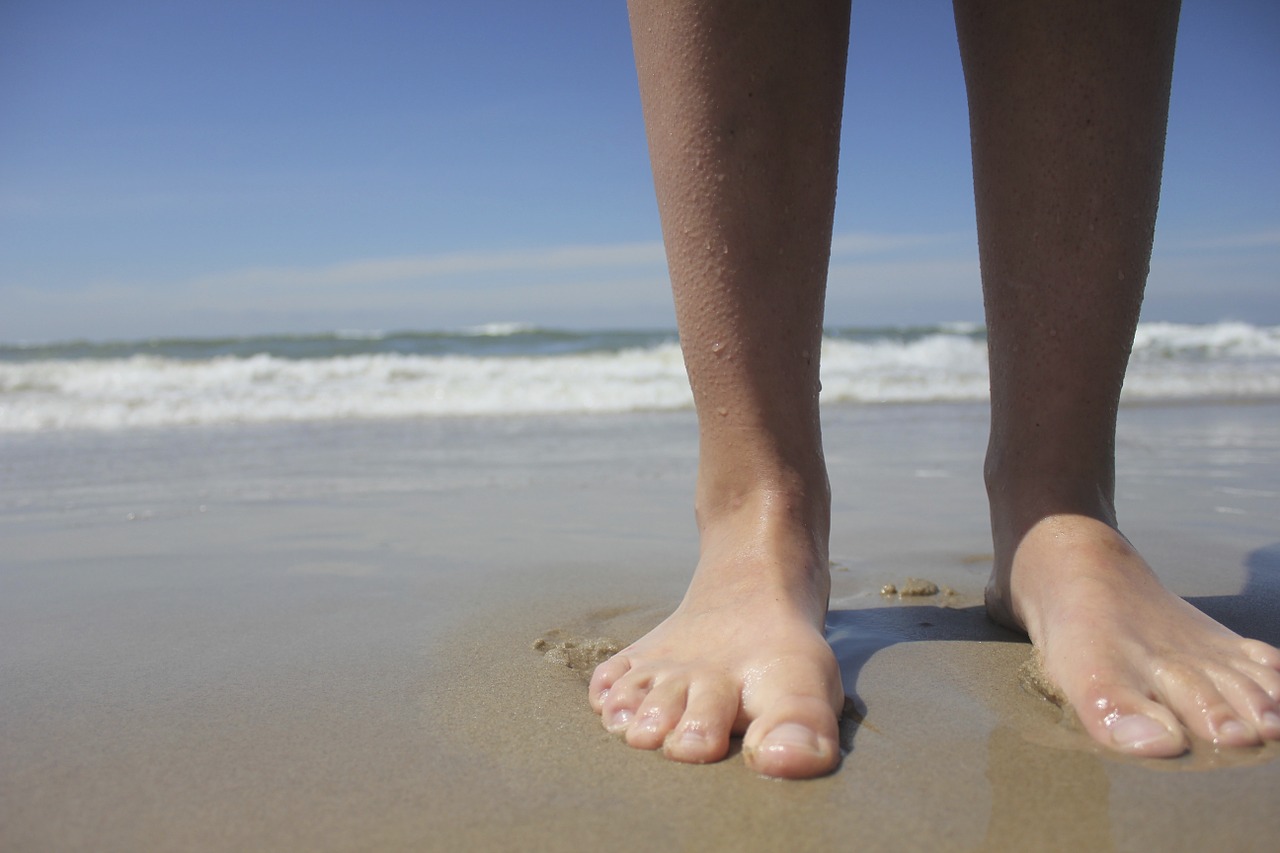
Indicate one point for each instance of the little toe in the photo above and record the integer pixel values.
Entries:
(702, 735)
(603, 678)
(1260, 652)
(798, 740)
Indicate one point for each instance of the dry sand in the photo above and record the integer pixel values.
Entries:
(322, 638)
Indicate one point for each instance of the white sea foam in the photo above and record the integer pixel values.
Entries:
(1225, 360)
(933, 368)
(149, 391)
(499, 330)
(1235, 341)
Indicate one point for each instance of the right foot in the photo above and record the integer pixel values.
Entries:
(1139, 666)
(744, 653)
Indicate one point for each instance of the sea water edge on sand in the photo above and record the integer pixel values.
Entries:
(324, 664)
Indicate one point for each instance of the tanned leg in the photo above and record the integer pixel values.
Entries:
(1068, 104)
(742, 107)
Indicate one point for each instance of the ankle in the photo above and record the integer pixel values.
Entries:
(1029, 495)
(1023, 491)
(767, 541)
(784, 508)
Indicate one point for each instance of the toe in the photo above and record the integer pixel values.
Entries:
(604, 677)
(1250, 702)
(658, 714)
(702, 735)
(1269, 725)
(1195, 696)
(1267, 679)
(798, 739)
(623, 699)
(1260, 652)
(1125, 720)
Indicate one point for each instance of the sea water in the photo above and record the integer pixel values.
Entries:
(512, 369)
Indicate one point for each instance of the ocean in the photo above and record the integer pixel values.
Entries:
(510, 369)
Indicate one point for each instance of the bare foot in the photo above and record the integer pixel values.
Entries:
(1140, 666)
(744, 653)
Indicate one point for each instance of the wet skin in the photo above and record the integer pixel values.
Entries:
(1068, 105)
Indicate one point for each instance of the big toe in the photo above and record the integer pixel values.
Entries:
(1124, 720)
(1141, 734)
(799, 742)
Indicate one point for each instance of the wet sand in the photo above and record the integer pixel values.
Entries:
(323, 638)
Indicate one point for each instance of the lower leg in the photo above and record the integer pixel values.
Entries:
(1068, 104)
(742, 107)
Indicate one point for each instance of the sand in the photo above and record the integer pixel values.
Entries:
(323, 638)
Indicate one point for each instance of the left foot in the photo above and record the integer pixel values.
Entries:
(1139, 666)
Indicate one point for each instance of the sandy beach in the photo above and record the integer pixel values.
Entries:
(321, 636)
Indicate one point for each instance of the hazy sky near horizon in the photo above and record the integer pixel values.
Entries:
(255, 166)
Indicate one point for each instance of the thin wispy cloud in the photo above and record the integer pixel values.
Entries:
(1262, 239)
(427, 267)
(862, 243)
(619, 256)
(873, 278)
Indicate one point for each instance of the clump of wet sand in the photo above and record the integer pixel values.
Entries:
(916, 588)
(580, 654)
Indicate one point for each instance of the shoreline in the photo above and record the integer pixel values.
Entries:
(840, 411)
(336, 652)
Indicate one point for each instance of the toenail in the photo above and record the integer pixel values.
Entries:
(1271, 721)
(788, 736)
(690, 738)
(1233, 731)
(647, 724)
(1135, 731)
(619, 721)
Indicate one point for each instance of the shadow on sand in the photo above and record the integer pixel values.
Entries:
(856, 635)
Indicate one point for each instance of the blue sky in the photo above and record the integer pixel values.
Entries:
(235, 167)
